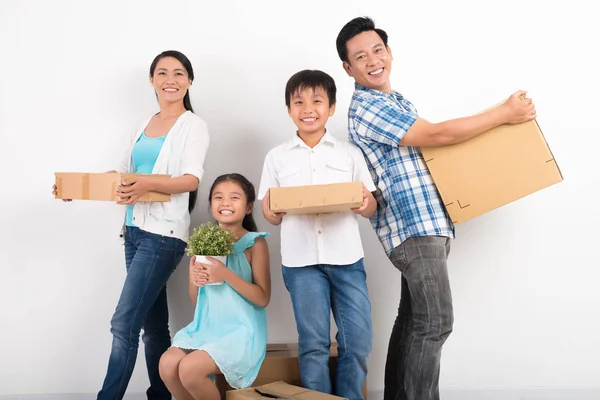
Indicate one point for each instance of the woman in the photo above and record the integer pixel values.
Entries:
(174, 141)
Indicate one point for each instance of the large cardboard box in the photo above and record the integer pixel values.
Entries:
(281, 364)
(493, 169)
(279, 390)
(316, 199)
(98, 186)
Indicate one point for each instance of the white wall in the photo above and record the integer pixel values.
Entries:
(73, 81)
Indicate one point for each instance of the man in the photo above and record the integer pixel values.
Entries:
(411, 221)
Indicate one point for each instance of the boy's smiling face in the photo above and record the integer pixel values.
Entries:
(310, 110)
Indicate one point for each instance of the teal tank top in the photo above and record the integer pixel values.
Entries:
(144, 155)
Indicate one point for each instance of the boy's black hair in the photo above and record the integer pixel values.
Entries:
(355, 27)
(310, 79)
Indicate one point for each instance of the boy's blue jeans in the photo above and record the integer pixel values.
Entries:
(150, 259)
(315, 291)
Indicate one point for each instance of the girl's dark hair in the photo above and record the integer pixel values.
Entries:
(310, 79)
(186, 99)
(186, 64)
(192, 200)
(354, 28)
(248, 223)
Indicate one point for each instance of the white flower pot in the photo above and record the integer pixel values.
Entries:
(204, 260)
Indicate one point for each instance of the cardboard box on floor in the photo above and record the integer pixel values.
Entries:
(99, 186)
(281, 364)
(493, 169)
(316, 199)
(279, 390)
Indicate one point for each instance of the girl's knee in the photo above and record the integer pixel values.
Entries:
(194, 370)
(168, 366)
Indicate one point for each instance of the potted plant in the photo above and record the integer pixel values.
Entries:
(209, 239)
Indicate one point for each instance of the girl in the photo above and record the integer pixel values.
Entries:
(229, 330)
(173, 141)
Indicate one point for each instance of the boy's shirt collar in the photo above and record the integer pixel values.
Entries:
(297, 141)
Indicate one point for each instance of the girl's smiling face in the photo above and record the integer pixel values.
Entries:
(228, 203)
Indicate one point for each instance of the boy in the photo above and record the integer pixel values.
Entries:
(322, 254)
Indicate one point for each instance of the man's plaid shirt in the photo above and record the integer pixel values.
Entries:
(408, 201)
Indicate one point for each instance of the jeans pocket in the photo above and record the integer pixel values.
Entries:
(398, 257)
(171, 243)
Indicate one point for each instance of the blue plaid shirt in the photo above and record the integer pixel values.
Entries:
(408, 201)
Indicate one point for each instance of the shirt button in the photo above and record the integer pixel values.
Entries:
(314, 169)
(318, 232)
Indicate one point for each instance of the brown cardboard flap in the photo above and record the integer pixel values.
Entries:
(282, 390)
(242, 394)
(280, 365)
(281, 346)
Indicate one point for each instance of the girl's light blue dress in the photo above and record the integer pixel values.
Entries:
(231, 329)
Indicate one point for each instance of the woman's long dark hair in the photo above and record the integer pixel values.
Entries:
(248, 223)
(186, 99)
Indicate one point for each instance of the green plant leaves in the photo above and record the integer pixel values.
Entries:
(209, 239)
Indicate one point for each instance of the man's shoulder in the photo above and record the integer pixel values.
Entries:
(362, 96)
(363, 99)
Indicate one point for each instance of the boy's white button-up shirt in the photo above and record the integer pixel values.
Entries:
(317, 238)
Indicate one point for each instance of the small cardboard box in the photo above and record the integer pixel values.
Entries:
(316, 199)
(493, 169)
(99, 186)
(278, 390)
(281, 364)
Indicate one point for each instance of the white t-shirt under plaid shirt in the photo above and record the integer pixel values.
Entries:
(409, 203)
(317, 238)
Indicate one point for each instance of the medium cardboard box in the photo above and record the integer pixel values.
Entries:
(279, 390)
(493, 169)
(281, 364)
(98, 186)
(316, 199)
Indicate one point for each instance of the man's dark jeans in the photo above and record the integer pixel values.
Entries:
(424, 321)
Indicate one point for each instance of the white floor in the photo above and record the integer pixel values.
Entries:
(533, 394)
